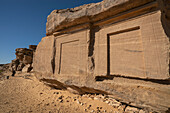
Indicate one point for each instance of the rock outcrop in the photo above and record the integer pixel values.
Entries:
(4, 67)
(24, 59)
(117, 46)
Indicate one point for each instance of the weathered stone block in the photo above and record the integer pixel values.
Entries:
(20, 66)
(44, 56)
(27, 59)
(60, 19)
(32, 47)
(24, 56)
(110, 39)
(27, 68)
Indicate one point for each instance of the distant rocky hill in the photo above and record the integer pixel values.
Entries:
(4, 67)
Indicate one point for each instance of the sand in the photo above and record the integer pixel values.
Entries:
(25, 94)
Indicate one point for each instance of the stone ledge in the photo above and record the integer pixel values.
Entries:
(59, 19)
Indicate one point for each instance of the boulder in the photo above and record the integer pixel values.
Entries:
(27, 68)
(32, 47)
(15, 61)
(20, 66)
(23, 51)
(27, 59)
(131, 109)
(14, 64)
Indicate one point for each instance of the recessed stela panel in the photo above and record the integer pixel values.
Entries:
(125, 53)
(69, 57)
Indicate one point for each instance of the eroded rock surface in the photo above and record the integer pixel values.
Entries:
(24, 57)
(60, 19)
(44, 56)
(110, 40)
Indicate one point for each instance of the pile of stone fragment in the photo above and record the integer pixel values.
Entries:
(24, 59)
(108, 99)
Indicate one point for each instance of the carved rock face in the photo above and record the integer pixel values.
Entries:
(123, 38)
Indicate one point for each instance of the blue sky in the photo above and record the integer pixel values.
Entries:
(23, 22)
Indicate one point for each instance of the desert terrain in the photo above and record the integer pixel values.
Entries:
(24, 93)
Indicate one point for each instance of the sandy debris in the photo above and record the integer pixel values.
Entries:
(25, 94)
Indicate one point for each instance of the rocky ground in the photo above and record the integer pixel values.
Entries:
(24, 93)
